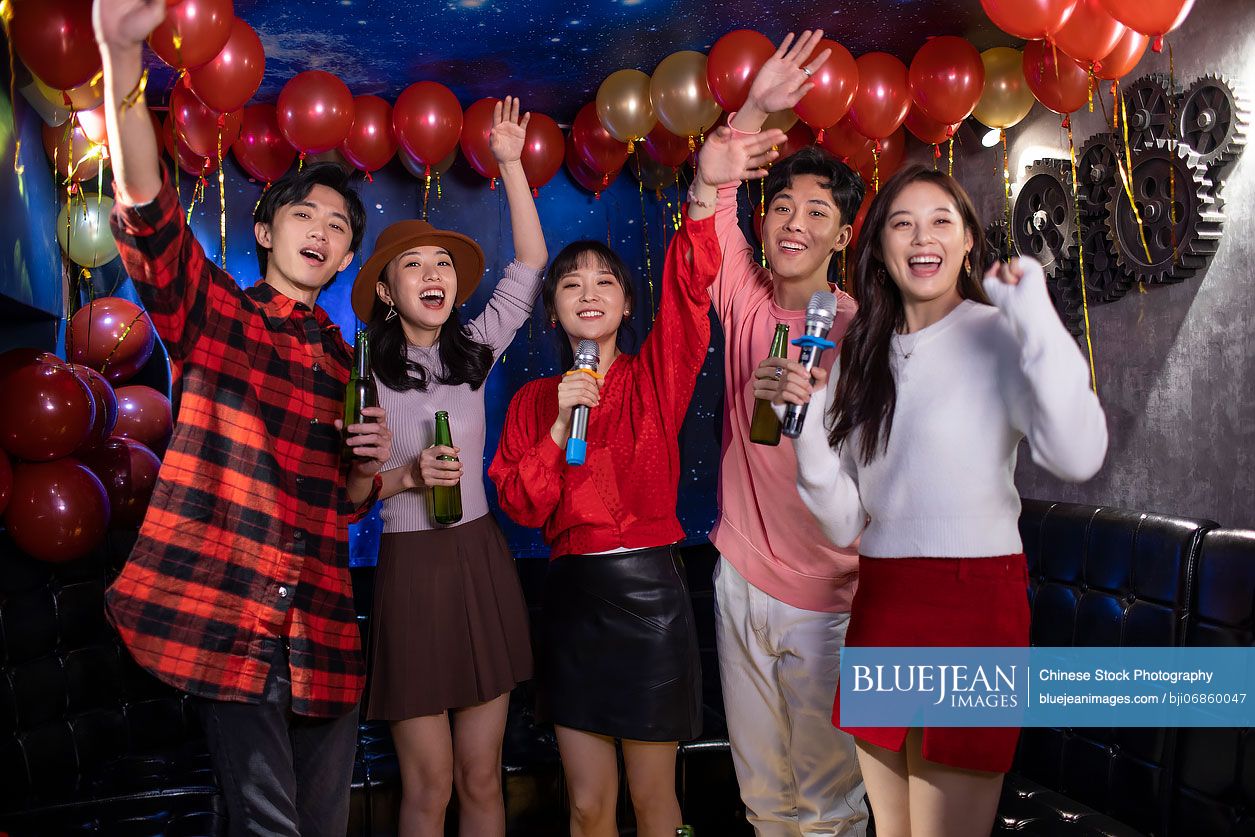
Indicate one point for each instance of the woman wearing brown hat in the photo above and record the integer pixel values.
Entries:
(449, 633)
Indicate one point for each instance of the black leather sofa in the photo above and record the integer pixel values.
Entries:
(90, 744)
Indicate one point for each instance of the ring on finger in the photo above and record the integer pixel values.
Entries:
(809, 72)
(779, 373)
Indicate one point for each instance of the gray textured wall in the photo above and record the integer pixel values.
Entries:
(1175, 364)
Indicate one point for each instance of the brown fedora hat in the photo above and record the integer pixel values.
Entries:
(468, 260)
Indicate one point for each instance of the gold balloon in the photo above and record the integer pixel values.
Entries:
(84, 97)
(1006, 98)
(83, 230)
(651, 173)
(782, 119)
(681, 95)
(623, 105)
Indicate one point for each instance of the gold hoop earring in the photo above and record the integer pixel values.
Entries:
(392, 313)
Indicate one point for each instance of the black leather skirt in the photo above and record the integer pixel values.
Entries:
(620, 646)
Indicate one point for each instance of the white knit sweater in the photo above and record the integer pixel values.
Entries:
(970, 387)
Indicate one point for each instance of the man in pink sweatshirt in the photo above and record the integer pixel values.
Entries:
(783, 591)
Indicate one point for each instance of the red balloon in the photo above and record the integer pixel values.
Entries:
(1155, 18)
(666, 148)
(1029, 19)
(836, 82)
(315, 111)
(1056, 80)
(428, 121)
(601, 151)
(476, 128)
(112, 335)
(188, 160)
(54, 38)
(582, 173)
(15, 359)
(795, 139)
(49, 414)
(1124, 57)
(58, 510)
(1090, 33)
(892, 152)
(947, 77)
(144, 415)
(106, 403)
(93, 124)
(884, 95)
(733, 62)
(128, 471)
(262, 150)
(370, 143)
(228, 81)
(203, 25)
(542, 150)
(847, 144)
(76, 156)
(206, 133)
(6, 480)
(928, 130)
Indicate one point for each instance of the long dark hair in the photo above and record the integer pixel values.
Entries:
(465, 360)
(866, 395)
(568, 261)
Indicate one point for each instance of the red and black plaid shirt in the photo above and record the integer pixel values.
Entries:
(245, 542)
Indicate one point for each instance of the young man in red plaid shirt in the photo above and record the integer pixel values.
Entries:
(238, 590)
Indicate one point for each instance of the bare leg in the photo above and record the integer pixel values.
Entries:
(477, 734)
(949, 801)
(886, 777)
(425, 754)
(650, 767)
(592, 780)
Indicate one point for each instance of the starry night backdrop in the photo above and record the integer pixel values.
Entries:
(554, 55)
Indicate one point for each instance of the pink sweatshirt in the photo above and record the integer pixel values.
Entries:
(763, 528)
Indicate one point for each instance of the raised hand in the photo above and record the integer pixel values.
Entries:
(124, 24)
(728, 156)
(508, 131)
(785, 78)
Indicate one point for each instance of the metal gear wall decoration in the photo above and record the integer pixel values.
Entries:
(1097, 170)
(1214, 121)
(1150, 103)
(1199, 223)
(1043, 220)
(1106, 280)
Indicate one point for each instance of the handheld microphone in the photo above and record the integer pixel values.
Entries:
(820, 312)
(587, 358)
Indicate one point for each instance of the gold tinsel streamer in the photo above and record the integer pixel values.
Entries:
(1006, 193)
(1126, 177)
(1172, 149)
(426, 189)
(762, 209)
(222, 197)
(876, 168)
(1080, 243)
(6, 16)
(649, 266)
(950, 145)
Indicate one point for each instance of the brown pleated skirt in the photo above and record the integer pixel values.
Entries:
(449, 627)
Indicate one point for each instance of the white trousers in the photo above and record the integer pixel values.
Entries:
(779, 666)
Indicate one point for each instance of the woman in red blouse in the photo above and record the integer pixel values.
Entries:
(619, 657)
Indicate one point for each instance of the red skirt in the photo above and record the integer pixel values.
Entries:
(957, 602)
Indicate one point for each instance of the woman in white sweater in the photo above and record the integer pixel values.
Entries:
(939, 379)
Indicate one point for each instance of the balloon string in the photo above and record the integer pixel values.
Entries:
(950, 169)
(762, 213)
(100, 187)
(300, 162)
(222, 196)
(264, 189)
(198, 191)
(1090, 85)
(842, 280)
(426, 189)
(876, 168)
(439, 193)
(649, 267)
(121, 339)
(1006, 193)
(1080, 243)
(6, 16)
(1126, 177)
(1172, 147)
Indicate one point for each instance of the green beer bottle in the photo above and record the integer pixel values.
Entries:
(446, 499)
(764, 426)
(360, 391)
(685, 831)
